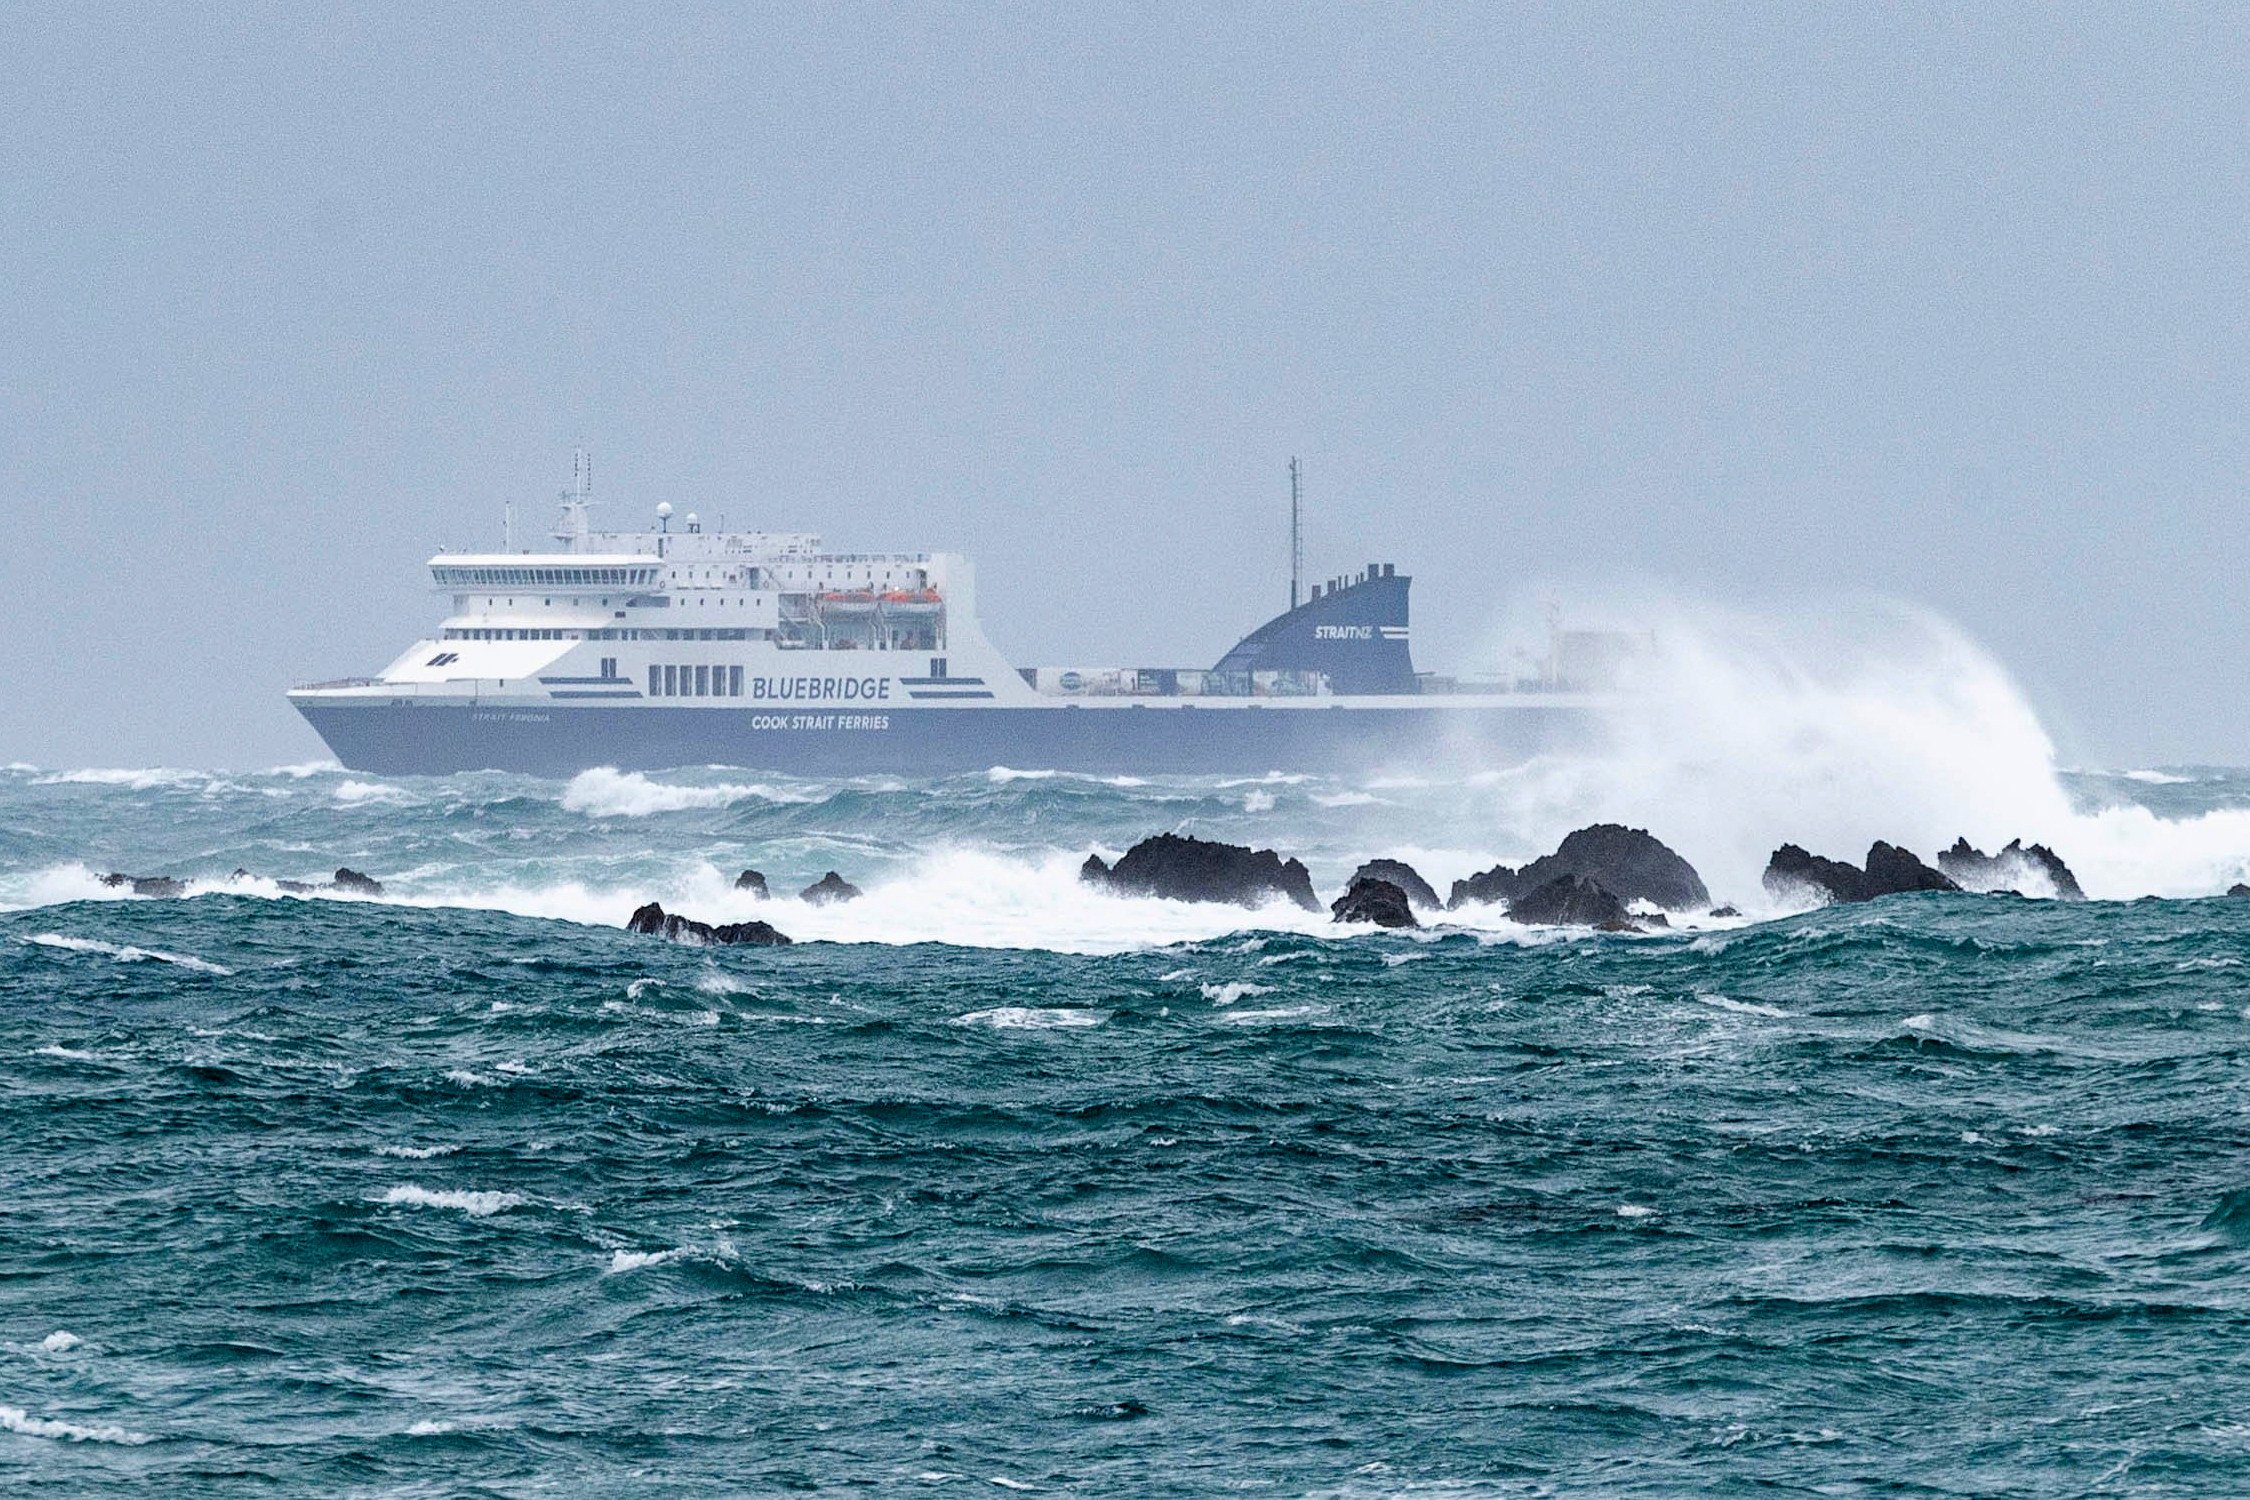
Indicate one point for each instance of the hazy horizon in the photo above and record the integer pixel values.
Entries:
(1774, 310)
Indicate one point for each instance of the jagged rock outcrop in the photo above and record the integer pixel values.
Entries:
(1572, 901)
(1891, 871)
(2035, 871)
(147, 885)
(1401, 874)
(753, 882)
(829, 889)
(2238, 889)
(1382, 902)
(345, 879)
(1630, 863)
(1192, 869)
(654, 921)
(1500, 883)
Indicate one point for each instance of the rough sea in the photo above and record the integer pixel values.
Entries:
(994, 1184)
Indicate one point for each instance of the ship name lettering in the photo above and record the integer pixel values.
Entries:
(1343, 632)
(808, 689)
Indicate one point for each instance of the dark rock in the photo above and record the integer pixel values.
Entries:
(654, 921)
(2238, 889)
(753, 882)
(1891, 871)
(1500, 883)
(1378, 901)
(298, 887)
(1793, 874)
(1191, 869)
(358, 884)
(148, 885)
(1724, 911)
(1572, 901)
(1630, 863)
(2013, 869)
(1094, 871)
(750, 935)
(830, 888)
(1401, 874)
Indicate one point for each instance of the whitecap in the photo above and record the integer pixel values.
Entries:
(135, 779)
(1257, 802)
(427, 1427)
(1227, 994)
(1002, 775)
(477, 1205)
(416, 1153)
(303, 769)
(1030, 1018)
(605, 792)
(1743, 1007)
(718, 982)
(2157, 778)
(60, 1342)
(640, 987)
(1635, 1211)
(1281, 1013)
(126, 954)
(16, 1419)
(69, 1054)
(467, 1079)
(622, 1261)
(1393, 960)
(355, 793)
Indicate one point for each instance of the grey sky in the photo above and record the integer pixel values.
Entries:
(1942, 301)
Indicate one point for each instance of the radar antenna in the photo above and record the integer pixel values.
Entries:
(571, 528)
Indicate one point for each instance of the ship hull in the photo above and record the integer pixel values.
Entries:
(403, 737)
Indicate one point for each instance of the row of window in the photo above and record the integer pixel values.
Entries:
(695, 682)
(455, 577)
(484, 633)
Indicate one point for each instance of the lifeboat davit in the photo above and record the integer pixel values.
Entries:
(848, 602)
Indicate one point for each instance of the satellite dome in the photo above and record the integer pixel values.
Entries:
(691, 520)
(664, 510)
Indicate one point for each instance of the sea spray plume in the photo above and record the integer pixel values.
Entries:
(1830, 726)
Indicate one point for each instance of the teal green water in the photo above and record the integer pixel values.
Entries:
(449, 1194)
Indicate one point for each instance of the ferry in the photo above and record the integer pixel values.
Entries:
(667, 647)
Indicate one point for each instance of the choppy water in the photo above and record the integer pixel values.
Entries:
(1008, 1185)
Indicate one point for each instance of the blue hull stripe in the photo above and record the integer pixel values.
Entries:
(394, 737)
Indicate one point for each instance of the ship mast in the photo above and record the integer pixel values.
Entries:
(1296, 538)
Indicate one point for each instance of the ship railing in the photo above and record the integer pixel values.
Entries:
(337, 682)
(1170, 682)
